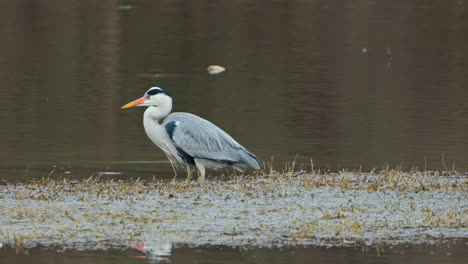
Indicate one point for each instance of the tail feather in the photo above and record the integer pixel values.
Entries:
(250, 159)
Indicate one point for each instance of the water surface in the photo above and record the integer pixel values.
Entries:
(419, 254)
(345, 83)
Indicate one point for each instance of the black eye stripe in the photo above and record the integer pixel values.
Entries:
(157, 91)
(153, 91)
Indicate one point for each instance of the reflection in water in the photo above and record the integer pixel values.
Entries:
(156, 250)
(416, 254)
(298, 84)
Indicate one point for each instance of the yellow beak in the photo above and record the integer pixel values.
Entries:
(138, 101)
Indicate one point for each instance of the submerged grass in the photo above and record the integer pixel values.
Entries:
(293, 207)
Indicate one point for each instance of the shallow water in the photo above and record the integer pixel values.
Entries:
(404, 254)
(345, 83)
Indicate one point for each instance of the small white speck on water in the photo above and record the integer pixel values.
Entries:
(215, 69)
(110, 173)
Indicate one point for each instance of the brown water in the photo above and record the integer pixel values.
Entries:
(345, 83)
(417, 254)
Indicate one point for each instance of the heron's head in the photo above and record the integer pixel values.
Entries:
(155, 96)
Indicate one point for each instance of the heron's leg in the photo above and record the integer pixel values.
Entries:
(201, 171)
(173, 169)
(189, 172)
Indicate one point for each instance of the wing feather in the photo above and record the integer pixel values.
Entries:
(202, 139)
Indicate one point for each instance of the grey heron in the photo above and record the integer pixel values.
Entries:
(189, 140)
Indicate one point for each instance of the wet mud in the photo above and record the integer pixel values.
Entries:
(275, 210)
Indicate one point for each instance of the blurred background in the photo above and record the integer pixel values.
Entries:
(347, 84)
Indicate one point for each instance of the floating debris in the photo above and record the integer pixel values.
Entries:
(215, 69)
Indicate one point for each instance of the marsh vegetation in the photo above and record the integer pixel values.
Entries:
(288, 208)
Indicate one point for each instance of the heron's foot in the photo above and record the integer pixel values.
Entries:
(201, 179)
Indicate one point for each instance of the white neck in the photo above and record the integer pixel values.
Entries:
(157, 133)
(158, 113)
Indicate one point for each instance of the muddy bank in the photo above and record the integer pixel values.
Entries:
(336, 209)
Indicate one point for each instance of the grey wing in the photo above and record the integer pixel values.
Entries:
(200, 138)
